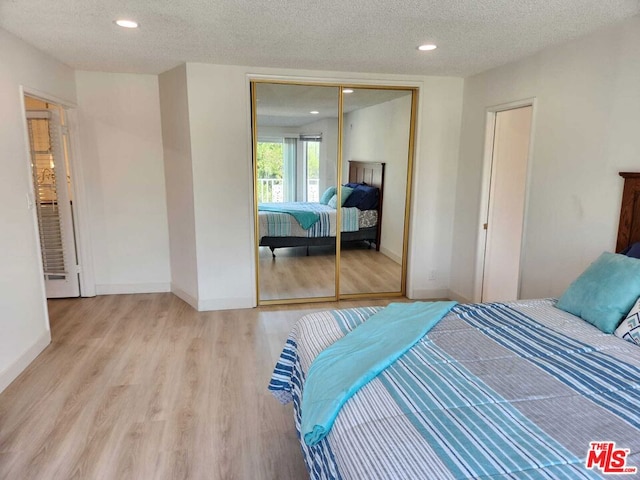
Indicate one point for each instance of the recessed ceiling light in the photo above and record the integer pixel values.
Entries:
(314, 112)
(126, 23)
(347, 90)
(427, 47)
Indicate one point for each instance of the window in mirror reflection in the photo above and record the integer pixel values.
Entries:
(312, 168)
(276, 159)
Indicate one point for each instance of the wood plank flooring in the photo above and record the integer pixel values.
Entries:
(293, 274)
(145, 387)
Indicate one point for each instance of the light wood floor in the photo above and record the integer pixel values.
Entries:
(145, 387)
(293, 274)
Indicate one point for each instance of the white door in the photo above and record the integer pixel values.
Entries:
(49, 166)
(505, 219)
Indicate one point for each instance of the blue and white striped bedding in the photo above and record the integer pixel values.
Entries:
(493, 391)
(275, 224)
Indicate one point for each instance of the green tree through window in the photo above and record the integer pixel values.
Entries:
(270, 160)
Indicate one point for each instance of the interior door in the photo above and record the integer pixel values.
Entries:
(52, 195)
(505, 220)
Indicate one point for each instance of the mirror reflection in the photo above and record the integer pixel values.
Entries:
(299, 200)
(375, 156)
(296, 161)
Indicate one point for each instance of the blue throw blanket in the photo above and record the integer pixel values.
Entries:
(351, 362)
(304, 212)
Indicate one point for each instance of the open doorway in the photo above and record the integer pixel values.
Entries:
(50, 150)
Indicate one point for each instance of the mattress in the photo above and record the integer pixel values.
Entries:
(518, 390)
(275, 224)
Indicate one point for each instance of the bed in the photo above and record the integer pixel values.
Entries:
(495, 391)
(280, 230)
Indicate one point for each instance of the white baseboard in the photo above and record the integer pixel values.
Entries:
(428, 294)
(458, 298)
(178, 292)
(210, 304)
(126, 288)
(391, 255)
(10, 373)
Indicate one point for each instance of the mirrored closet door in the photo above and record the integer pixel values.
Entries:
(296, 155)
(308, 140)
(376, 152)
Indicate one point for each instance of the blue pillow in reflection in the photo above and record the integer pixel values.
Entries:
(363, 197)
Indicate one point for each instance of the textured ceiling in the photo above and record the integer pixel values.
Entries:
(344, 35)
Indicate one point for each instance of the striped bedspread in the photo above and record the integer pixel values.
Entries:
(275, 224)
(493, 391)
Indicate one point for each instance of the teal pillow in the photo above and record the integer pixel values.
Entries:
(326, 196)
(333, 201)
(605, 292)
(345, 192)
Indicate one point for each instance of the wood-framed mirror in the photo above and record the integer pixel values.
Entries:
(307, 140)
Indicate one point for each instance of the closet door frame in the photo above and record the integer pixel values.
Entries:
(411, 149)
(254, 142)
(340, 84)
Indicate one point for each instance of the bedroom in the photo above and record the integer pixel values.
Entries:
(577, 153)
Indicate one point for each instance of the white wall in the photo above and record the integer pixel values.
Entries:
(380, 133)
(24, 325)
(122, 159)
(220, 120)
(586, 130)
(223, 185)
(178, 173)
(434, 183)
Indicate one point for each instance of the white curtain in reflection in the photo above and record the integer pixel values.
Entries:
(290, 149)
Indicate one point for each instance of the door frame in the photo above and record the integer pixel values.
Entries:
(487, 165)
(80, 211)
(417, 88)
